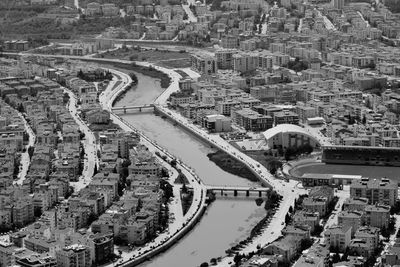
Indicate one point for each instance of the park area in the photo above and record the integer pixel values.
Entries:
(168, 59)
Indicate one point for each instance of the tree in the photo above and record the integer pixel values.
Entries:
(287, 218)
(290, 209)
(184, 188)
(204, 264)
(139, 205)
(37, 211)
(173, 163)
(306, 243)
(80, 74)
(317, 230)
(288, 154)
(335, 257)
(237, 259)
(364, 119)
(259, 201)
(21, 108)
(164, 173)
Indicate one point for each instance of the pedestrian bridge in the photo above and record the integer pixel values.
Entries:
(236, 190)
(134, 109)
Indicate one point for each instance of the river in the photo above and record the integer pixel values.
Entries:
(227, 221)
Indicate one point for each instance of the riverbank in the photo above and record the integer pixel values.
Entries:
(179, 229)
(231, 165)
(288, 190)
(150, 71)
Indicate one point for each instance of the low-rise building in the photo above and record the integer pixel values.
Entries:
(377, 215)
(286, 246)
(317, 204)
(338, 237)
(351, 218)
(370, 235)
(357, 203)
(306, 218)
(74, 255)
(382, 190)
(217, 123)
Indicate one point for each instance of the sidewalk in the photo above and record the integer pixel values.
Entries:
(25, 159)
(89, 145)
(181, 222)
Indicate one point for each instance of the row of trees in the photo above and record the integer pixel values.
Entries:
(291, 152)
(95, 75)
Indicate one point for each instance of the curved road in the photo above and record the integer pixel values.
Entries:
(25, 159)
(182, 222)
(89, 145)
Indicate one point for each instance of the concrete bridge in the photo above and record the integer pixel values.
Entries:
(236, 189)
(134, 109)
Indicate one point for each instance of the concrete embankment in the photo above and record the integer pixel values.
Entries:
(199, 135)
(200, 208)
(179, 235)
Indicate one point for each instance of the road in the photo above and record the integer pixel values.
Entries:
(300, 25)
(89, 145)
(181, 222)
(265, 24)
(328, 24)
(25, 159)
(333, 219)
(316, 132)
(287, 190)
(189, 13)
(362, 17)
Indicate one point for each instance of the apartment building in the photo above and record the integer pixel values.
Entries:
(381, 190)
(245, 62)
(351, 218)
(286, 117)
(377, 215)
(217, 123)
(204, 63)
(74, 255)
(317, 204)
(251, 120)
(358, 203)
(338, 236)
(370, 235)
(225, 58)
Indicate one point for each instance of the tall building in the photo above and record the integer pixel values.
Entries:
(204, 63)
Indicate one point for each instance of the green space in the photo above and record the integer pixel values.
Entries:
(231, 165)
(165, 80)
(164, 58)
(27, 23)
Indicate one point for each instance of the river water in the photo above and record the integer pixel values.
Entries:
(227, 221)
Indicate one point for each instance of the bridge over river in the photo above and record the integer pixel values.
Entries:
(134, 109)
(236, 189)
